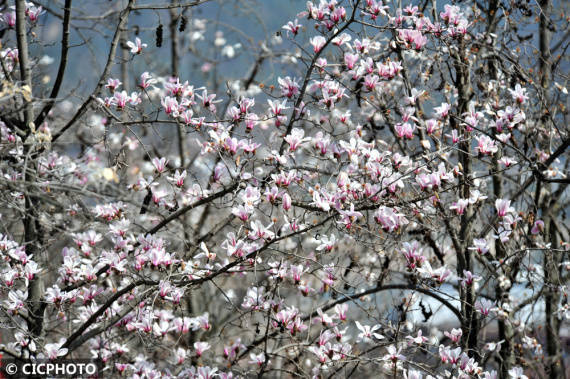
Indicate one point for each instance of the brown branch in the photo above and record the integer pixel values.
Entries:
(310, 71)
(99, 312)
(23, 57)
(370, 291)
(114, 43)
(170, 6)
(162, 224)
(62, 64)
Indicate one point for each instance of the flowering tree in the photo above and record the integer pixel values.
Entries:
(392, 204)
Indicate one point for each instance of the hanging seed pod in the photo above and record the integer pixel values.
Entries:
(159, 36)
(183, 21)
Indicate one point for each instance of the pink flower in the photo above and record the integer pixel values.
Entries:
(293, 27)
(180, 355)
(469, 278)
(480, 244)
(286, 199)
(137, 46)
(350, 216)
(485, 145)
(201, 347)
(9, 18)
(146, 80)
(318, 42)
(164, 288)
(342, 39)
(276, 107)
(419, 339)
(257, 359)
(371, 81)
(178, 178)
(350, 60)
(120, 99)
(376, 8)
(507, 161)
(258, 231)
(159, 164)
(54, 350)
(517, 373)
(414, 37)
(113, 84)
(251, 119)
(393, 354)
(208, 101)
(296, 272)
(484, 306)
(459, 206)
(367, 332)
(411, 10)
(405, 130)
(296, 138)
(321, 63)
(503, 207)
(518, 94)
(327, 243)
(242, 212)
(170, 105)
(451, 14)
(454, 136)
(443, 110)
(538, 227)
(289, 87)
(454, 335)
(324, 318)
(341, 310)
(33, 12)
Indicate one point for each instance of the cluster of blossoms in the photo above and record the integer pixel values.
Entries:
(32, 12)
(272, 239)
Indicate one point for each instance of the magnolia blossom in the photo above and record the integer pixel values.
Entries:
(257, 359)
(289, 87)
(459, 206)
(367, 332)
(454, 335)
(517, 373)
(503, 207)
(201, 347)
(54, 350)
(418, 340)
(296, 138)
(484, 306)
(485, 145)
(393, 354)
(113, 84)
(538, 227)
(159, 164)
(9, 18)
(327, 243)
(318, 42)
(293, 27)
(480, 244)
(146, 80)
(137, 46)
(443, 110)
(518, 94)
(405, 130)
(286, 199)
(302, 196)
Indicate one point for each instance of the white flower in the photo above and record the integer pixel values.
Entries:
(367, 332)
